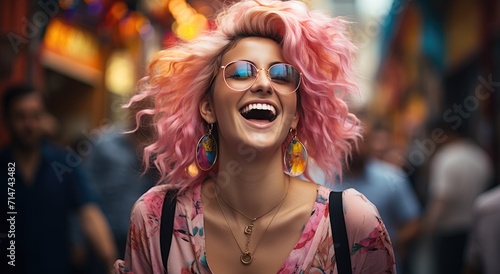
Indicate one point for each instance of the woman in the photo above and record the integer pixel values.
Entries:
(237, 111)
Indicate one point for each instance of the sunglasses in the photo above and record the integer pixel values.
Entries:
(241, 75)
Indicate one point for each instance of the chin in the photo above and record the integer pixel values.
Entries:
(263, 144)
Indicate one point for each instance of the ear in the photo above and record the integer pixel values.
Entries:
(207, 111)
(295, 120)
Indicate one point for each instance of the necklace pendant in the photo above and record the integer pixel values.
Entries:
(246, 258)
(248, 229)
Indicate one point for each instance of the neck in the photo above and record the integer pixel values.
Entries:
(22, 152)
(252, 187)
(27, 160)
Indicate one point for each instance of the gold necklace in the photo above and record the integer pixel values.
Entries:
(248, 228)
(246, 256)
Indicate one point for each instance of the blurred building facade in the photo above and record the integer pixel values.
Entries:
(86, 56)
(440, 63)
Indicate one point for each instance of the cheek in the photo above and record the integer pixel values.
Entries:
(225, 100)
(290, 105)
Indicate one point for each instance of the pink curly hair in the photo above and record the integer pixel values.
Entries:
(179, 77)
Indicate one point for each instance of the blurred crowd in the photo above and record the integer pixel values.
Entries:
(73, 201)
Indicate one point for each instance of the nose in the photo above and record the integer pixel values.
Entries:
(262, 82)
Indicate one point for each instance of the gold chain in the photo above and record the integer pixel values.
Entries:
(246, 256)
(255, 218)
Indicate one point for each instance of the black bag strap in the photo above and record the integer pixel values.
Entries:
(341, 242)
(167, 224)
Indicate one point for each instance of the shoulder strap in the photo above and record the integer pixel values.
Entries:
(167, 225)
(341, 242)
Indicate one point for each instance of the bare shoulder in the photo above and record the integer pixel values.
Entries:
(302, 194)
(297, 208)
(303, 187)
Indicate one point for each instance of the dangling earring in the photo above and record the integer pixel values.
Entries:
(295, 158)
(206, 150)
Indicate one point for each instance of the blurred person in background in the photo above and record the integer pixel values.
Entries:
(48, 188)
(116, 174)
(117, 177)
(379, 141)
(385, 147)
(388, 188)
(483, 247)
(459, 171)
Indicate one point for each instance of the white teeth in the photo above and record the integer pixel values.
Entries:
(259, 106)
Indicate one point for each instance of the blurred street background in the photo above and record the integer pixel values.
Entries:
(425, 67)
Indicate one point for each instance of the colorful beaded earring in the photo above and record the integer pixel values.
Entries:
(295, 158)
(206, 150)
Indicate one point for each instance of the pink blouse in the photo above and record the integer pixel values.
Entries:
(371, 248)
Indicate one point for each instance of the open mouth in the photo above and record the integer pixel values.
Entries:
(259, 111)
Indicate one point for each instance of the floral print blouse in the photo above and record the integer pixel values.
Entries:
(371, 248)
